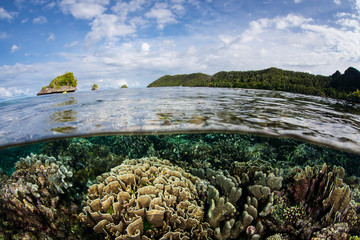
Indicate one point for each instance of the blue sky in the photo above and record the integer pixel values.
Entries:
(133, 42)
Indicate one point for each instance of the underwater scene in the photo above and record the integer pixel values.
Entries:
(226, 164)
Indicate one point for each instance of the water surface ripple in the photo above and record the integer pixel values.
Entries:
(164, 110)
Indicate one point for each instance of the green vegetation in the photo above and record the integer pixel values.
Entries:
(95, 86)
(189, 80)
(66, 79)
(355, 95)
(124, 86)
(338, 85)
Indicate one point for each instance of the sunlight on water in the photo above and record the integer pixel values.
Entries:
(179, 163)
(314, 119)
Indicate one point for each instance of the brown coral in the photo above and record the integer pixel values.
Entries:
(33, 200)
(322, 189)
(146, 199)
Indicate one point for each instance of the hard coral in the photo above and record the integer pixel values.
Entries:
(146, 198)
(238, 204)
(33, 199)
(322, 189)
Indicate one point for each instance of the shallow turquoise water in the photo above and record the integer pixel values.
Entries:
(54, 148)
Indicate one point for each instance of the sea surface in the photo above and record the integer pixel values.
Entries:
(181, 109)
(209, 132)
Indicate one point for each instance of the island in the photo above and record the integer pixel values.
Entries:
(95, 87)
(61, 84)
(339, 86)
(124, 86)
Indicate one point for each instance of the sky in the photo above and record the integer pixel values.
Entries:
(134, 42)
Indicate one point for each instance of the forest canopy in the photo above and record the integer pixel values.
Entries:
(338, 85)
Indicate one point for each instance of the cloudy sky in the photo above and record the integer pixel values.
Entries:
(133, 42)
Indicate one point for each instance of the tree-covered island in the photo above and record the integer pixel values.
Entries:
(340, 86)
(61, 84)
(95, 87)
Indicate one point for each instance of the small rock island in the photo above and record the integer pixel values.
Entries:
(61, 84)
(94, 87)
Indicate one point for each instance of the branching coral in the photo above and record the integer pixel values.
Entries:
(322, 189)
(238, 203)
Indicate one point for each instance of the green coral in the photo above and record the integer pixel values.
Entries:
(147, 225)
(110, 210)
(288, 214)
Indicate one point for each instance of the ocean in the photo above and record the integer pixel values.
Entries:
(179, 163)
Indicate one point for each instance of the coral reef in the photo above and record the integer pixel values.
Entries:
(255, 192)
(316, 204)
(87, 160)
(337, 231)
(146, 199)
(34, 200)
(239, 203)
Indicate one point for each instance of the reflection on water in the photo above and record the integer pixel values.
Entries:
(158, 110)
(71, 101)
(63, 116)
(168, 119)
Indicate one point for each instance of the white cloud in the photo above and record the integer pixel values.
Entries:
(3, 35)
(40, 20)
(11, 92)
(14, 48)
(84, 9)
(73, 44)
(107, 26)
(24, 20)
(337, 2)
(51, 37)
(50, 5)
(124, 8)
(145, 47)
(5, 15)
(350, 21)
(291, 42)
(162, 15)
(297, 1)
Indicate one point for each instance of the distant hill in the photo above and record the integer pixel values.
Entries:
(349, 81)
(337, 86)
(189, 80)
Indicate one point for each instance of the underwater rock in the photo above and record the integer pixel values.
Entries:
(33, 199)
(146, 198)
